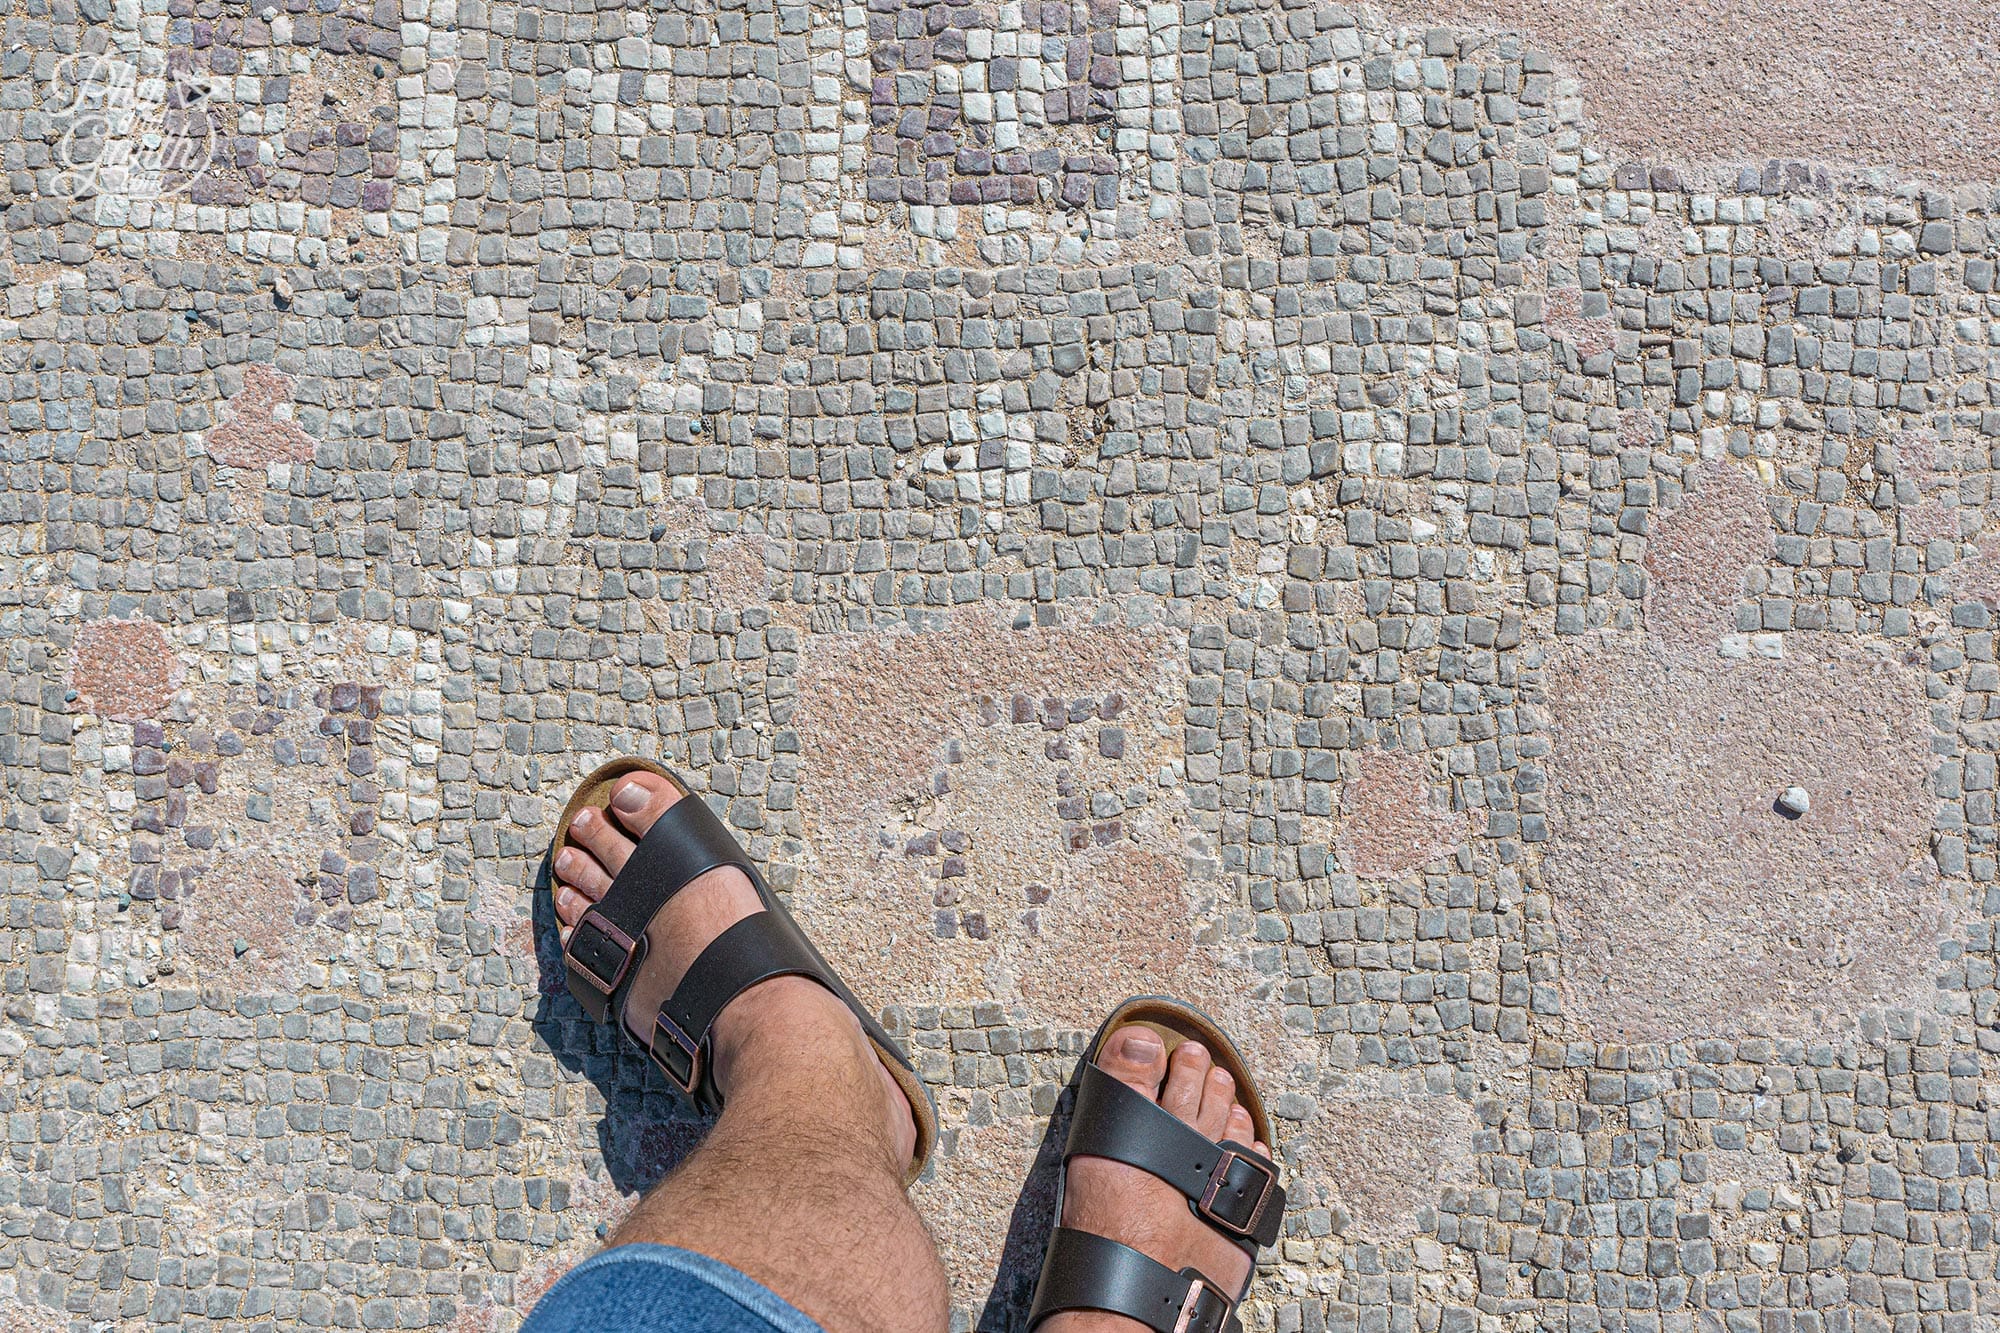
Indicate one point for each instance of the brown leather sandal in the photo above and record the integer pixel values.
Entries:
(607, 944)
(1229, 1186)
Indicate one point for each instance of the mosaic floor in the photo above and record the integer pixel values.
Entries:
(1465, 550)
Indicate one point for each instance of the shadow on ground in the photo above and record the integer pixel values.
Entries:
(648, 1128)
(1028, 1226)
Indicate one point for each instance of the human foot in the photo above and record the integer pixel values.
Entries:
(1121, 1202)
(600, 843)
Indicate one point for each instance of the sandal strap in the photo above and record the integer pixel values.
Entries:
(607, 943)
(1227, 1185)
(1091, 1272)
(755, 949)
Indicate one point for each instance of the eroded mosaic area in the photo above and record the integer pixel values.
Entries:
(1368, 524)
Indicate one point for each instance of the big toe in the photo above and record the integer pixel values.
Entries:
(1136, 1057)
(641, 798)
(601, 841)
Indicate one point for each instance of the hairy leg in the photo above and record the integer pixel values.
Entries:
(799, 1185)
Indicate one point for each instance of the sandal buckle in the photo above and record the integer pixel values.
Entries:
(604, 954)
(680, 1059)
(1237, 1220)
(1204, 1309)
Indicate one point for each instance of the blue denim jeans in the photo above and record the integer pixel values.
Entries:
(661, 1289)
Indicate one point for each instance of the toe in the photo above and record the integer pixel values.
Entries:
(1240, 1127)
(1136, 1057)
(605, 840)
(1187, 1071)
(1218, 1095)
(641, 798)
(581, 871)
(570, 904)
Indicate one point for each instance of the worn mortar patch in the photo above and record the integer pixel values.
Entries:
(260, 430)
(736, 571)
(1686, 904)
(1385, 1159)
(1591, 335)
(123, 669)
(1697, 554)
(979, 1193)
(1392, 822)
(477, 1315)
(255, 835)
(20, 1318)
(1977, 577)
(1709, 82)
(1002, 801)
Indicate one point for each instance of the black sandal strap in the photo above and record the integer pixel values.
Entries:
(683, 844)
(1229, 1186)
(755, 949)
(1091, 1272)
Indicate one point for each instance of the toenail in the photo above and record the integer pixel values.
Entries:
(631, 798)
(583, 818)
(1140, 1046)
(565, 861)
(1190, 1049)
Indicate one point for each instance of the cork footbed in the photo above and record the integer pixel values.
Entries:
(1175, 1022)
(595, 792)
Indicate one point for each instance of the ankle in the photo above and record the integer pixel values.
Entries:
(790, 1031)
(789, 1044)
(1088, 1321)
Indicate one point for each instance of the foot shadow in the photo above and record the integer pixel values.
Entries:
(1028, 1228)
(648, 1127)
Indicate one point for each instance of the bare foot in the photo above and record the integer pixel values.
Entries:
(1128, 1205)
(598, 849)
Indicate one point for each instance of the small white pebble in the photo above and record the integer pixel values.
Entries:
(1795, 800)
